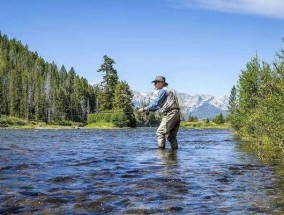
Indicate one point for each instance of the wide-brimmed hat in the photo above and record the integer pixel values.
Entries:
(160, 79)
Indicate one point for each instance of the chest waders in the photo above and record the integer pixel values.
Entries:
(170, 122)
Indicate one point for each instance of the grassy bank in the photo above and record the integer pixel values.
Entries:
(7, 122)
(203, 125)
(184, 124)
(100, 125)
(260, 147)
(16, 123)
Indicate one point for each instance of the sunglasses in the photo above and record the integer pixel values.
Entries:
(156, 82)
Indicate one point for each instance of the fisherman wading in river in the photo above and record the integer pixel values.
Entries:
(167, 103)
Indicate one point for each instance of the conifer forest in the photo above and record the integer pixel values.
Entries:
(35, 90)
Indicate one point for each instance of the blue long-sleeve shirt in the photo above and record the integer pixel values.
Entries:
(155, 105)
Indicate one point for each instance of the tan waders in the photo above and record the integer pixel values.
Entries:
(169, 128)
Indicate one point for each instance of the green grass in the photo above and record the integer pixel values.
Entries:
(41, 125)
(17, 123)
(201, 124)
(100, 125)
(7, 121)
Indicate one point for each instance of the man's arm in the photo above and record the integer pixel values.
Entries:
(155, 104)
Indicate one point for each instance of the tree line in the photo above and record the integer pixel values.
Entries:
(36, 90)
(256, 104)
(33, 89)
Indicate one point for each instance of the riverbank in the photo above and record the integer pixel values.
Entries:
(204, 125)
(39, 125)
(103, 125)
(16, 123)
(7, 122)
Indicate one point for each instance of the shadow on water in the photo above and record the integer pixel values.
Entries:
(122, 172)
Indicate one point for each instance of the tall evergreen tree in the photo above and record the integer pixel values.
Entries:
(233, 103)
(122, 100)
(249, 85)
(70, 94)
(219, 119)
(110, 79)
(39, 68)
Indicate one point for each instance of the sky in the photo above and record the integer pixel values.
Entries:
(200, 46)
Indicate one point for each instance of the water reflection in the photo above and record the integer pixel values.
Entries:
(169, 158)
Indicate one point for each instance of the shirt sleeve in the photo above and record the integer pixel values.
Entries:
(162, 95)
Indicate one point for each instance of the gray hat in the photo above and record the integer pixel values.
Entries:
(160, 79)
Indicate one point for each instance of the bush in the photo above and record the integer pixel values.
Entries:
(5, 121)
(119, 119)
(99, 117)
(64, 123)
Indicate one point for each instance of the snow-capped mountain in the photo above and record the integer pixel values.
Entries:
(202, 106)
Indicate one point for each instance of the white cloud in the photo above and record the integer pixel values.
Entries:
(269, 8)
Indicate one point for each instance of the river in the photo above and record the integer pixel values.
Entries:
(121, 171)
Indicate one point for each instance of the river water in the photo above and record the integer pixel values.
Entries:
(84, 171)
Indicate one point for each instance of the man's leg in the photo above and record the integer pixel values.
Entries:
(161, 132)
(169, 126)
(173, 126)
(172, 137)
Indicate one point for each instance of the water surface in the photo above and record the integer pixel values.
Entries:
(123, 172)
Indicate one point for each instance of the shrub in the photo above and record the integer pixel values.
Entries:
(9, 120)
(117, 116)
(64, 123)
(119, 119)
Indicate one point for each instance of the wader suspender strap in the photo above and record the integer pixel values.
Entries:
(176, 98)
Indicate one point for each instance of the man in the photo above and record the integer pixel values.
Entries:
(167, 103)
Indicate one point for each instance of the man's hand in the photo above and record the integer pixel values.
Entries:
(141, 110)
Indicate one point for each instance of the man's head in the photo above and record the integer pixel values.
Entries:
(160, 82)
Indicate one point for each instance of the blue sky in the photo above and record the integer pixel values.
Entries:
(199, 46)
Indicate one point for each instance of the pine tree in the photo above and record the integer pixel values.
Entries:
(62, 94)
(70, 94)
(39, 67)
(47, 88)
(233, 103)
(110, 79)
(249, 85)
(122, 100)
(219, 119)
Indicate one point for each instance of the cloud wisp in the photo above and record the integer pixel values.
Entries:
(268, 8)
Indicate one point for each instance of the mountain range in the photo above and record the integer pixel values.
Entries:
(200, 106)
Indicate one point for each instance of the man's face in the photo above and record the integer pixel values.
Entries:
(159, 85)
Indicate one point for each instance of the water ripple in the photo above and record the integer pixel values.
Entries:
(122, 172)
